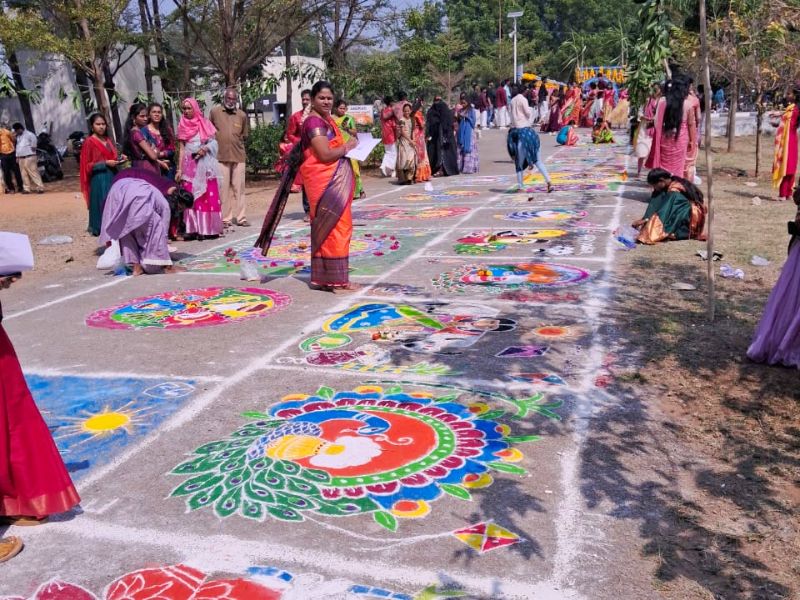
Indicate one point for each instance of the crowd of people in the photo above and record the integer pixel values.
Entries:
(195, 176)
(18, 159)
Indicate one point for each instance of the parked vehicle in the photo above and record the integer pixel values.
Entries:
(48, 158)
(75, 143)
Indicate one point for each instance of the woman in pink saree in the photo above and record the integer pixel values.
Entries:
(674, 131)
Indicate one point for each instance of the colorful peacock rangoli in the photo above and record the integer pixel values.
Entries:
(201, 307)
(388, 453)
(440, 195)
(486, 242)
(503, 277)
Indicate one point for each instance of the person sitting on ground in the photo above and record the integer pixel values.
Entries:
(675, 212)
(137, 213)
(601, 132)
(567, 136)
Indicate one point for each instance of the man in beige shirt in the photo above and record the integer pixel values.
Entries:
(233, 128)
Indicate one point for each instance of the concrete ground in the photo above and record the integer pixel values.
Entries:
(423, 438)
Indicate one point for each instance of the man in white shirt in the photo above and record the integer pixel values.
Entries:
(26, 159)
(521, 111)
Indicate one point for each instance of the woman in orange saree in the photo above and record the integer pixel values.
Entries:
(571, 111)
(329, 182)
(423, 172)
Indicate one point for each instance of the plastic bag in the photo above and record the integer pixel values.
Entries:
(111, 258)
(626, 236)
(729, 272)
(249, 271)
(55, 240)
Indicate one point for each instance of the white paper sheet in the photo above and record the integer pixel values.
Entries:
(16, 253)
(366, 143)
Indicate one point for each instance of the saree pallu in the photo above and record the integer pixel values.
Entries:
(349, 122)
(406, 153)
(777, 338)
(329, 187)
(785, 161)
(523, 146)
(33, 479)
(672, 216)
(618, 117)
(570, 114)
(423, 172)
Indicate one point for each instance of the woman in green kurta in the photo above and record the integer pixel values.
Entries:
(347, 125)
(675, 211)
(99, 161)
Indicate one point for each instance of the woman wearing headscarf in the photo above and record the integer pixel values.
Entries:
(329, 183)
(784, 165)
(674, 128)
(441, 139)
(98, 165)
(676, 210)
(468, 157)
(423, 172)
(198, 171)
(777, 339)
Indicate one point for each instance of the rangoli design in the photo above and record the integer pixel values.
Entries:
(381, 330)
(200, 307)
(498, 278)
(487, 536)
(376, 212)
(289, 254)
(387, 453)
(545, 214)
(440, 195)
(94, 419)
(486, 242)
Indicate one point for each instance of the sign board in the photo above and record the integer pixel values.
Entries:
(362, 113)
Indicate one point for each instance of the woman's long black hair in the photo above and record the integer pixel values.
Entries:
(163, 127)
(692, 191)
(127, 145)
(676, 91)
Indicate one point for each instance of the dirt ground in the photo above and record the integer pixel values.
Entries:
(720, 434)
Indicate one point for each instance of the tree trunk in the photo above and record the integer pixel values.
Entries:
(148, 67)
(83, 89)
(732, 113)
(759, 125)
(113, 103)
(709, 163)
(19, 86)
(186, 50)
(288, 53)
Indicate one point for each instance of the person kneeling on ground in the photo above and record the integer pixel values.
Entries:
(137, 213)
(601, 132)
(675, 212)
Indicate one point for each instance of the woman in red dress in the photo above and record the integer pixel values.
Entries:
(34, 482)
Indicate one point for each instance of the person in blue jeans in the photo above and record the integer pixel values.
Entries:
(523, 142)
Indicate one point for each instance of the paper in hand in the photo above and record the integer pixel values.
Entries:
(366, 143)
(16, 253)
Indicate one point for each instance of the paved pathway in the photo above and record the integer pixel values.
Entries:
(264, 441)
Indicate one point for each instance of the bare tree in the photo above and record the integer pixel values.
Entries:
(345, 24)
(237, 35)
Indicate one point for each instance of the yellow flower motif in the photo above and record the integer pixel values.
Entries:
(292, 397)
(510, 455)
(478, 408)
(476, 482)
(369, 389)
(410, 509)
